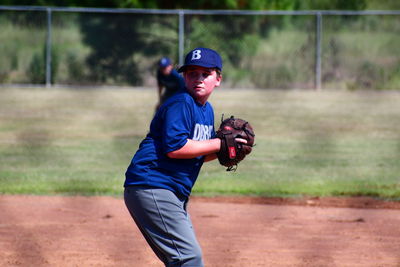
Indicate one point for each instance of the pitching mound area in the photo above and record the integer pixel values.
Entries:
(98, 231)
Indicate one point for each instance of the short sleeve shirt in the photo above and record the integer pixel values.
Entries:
(180, 118)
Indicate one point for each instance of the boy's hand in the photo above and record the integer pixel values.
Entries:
(241, 140)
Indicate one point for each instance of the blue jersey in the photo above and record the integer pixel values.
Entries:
(180, 118)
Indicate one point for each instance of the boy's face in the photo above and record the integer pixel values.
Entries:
(166, 70)
(200, 82)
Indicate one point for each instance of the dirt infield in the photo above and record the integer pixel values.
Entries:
(97, 231)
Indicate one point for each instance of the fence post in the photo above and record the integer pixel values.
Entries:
(181, 35)
(318, 33)
(48, 49)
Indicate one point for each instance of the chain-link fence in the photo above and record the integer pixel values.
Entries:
(265, 49)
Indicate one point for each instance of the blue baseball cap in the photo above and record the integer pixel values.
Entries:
(164, 62)
(203, 57)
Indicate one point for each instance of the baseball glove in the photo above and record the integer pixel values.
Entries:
(232, 152)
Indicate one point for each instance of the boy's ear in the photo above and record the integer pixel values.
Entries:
(218, 79)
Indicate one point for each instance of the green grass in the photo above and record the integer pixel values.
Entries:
(328, 143)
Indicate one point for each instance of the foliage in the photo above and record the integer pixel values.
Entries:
(200, 4)
(331, 4)
(28, 19)
(208, 31)
(121, 49)
(373, 76)
(37, 67)
(76, 69)
(280, 76)
(116, 39)
(204, 4)
(223, 4)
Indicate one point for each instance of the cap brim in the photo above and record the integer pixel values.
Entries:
(183, 68)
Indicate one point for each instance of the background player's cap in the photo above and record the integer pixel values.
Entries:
(164, 62)
(204, 57)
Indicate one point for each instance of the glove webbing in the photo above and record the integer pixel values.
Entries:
(246, 130)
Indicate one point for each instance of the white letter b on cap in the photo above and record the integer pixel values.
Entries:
(196, 54)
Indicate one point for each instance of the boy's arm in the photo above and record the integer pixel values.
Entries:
(210, 157)
(194, 149)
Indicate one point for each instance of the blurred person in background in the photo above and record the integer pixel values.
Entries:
(168, 79)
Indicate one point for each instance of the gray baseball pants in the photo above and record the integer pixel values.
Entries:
(165, 224)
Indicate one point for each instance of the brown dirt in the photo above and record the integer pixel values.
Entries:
(98, 231)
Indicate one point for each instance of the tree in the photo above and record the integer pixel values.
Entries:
(116, 40)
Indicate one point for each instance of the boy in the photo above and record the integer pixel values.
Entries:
(163, 171)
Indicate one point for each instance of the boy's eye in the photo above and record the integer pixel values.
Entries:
(203, 74)
(192, 74)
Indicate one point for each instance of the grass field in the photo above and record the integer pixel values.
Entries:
(64, 141)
